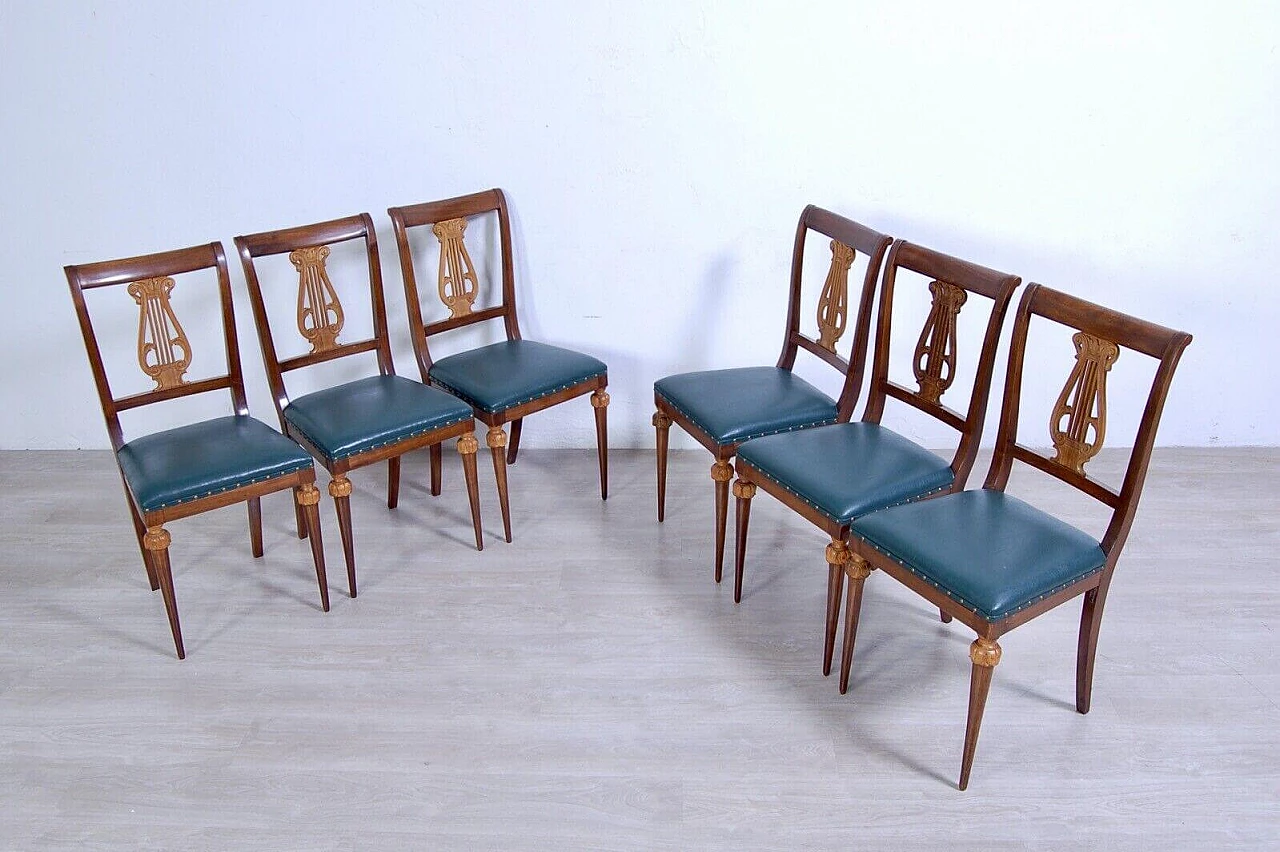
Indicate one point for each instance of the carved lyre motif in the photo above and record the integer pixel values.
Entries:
(457, 274)
(1079, 423)
(320, 315)
(833, 304)
(935, 357)
(164, 353)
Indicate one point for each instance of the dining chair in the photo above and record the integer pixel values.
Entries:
(180, 472)
(364, 421)
(723, 408)
(833, 474)
(502, 382)
(995, 562)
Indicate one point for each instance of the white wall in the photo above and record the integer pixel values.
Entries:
(656, 156)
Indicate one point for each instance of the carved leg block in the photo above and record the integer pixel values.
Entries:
(496, 439)
(600, 403)
(156, 541)
(340, 491)
(857, 569)
(306, 499)
(467, 446)
(721, 473)
(662, 425)
(743, 491)
(985, 654)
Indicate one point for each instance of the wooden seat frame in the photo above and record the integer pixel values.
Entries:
(156, 315)
(1083, 400)
(321, 324)
(832, 323)
(960, 277)
(438, 213)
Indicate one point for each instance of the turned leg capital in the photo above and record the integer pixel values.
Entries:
(744, 490)
(156, 538)
(599, 399)
(496, 438)
(985, 652)
(467, 445)
(721, 471)
(307, 494)
(661, 420)
(339, 486)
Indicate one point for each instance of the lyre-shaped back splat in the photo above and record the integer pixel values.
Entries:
(457, 274)
(320, 316)
(833, 304)
(1083, 403)
(164, 353)
(935, 357)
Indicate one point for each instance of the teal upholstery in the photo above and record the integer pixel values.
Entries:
(184, 464)
(848, 469)
(737, 405)
(506, 374)
(985, 549)
(368, 413)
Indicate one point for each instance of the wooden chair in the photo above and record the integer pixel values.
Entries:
(995, 562)
(361, 422)
(503, 382)
(723, 408)
(191, 469)
(833, 474)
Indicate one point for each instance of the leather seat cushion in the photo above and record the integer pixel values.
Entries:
(512, 372)
(848, 469)
(731, 406)
(988, 550)
(352, 418)
(190, 462)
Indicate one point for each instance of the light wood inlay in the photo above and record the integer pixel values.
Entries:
(164, 353)
(1079, 422)
(935, 356)
(457, 274)
(320, 317)
(833, 304)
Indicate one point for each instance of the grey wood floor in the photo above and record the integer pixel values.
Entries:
(590, 687)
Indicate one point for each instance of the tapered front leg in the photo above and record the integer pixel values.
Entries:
(302, 521)
(836, 554)
(496, 439)
(393, 482)
(721, 473)
(743, 491)
(662, 424)
(600, 402)
(156, 540)
(340, 491)
(985, 654)
(255, 526)
(306, 499)
(857, 570)
(467, 446)
(437, 469)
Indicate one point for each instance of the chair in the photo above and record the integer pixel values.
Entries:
(191, 469)
(833, 474)
(361, 422)
(503, 382)
(995, 562)
(723, 408)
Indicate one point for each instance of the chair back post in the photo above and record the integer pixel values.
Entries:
(861, 240)
(107, 273)
(509, 317)
(288, 240)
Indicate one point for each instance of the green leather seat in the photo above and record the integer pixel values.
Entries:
(988, 550)
(512, 372)
(739, 404)
(848, 469)
(368, 413)
(178, 465)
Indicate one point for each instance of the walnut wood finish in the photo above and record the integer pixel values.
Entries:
(847, 238)
(320, 319)
(1110, 329)
(952, 282)
(162, 349)
(457, 287)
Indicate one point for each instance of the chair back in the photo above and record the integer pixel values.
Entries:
(847, 239)
(456, 277)
(951, 282)
(1078, 423)
(164, 350)
(320, 316)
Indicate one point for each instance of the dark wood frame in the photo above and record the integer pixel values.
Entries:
(467, 206)
(359, 227)
(998, 287)
(861, 239)
(1163, 344)
(153, 539)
